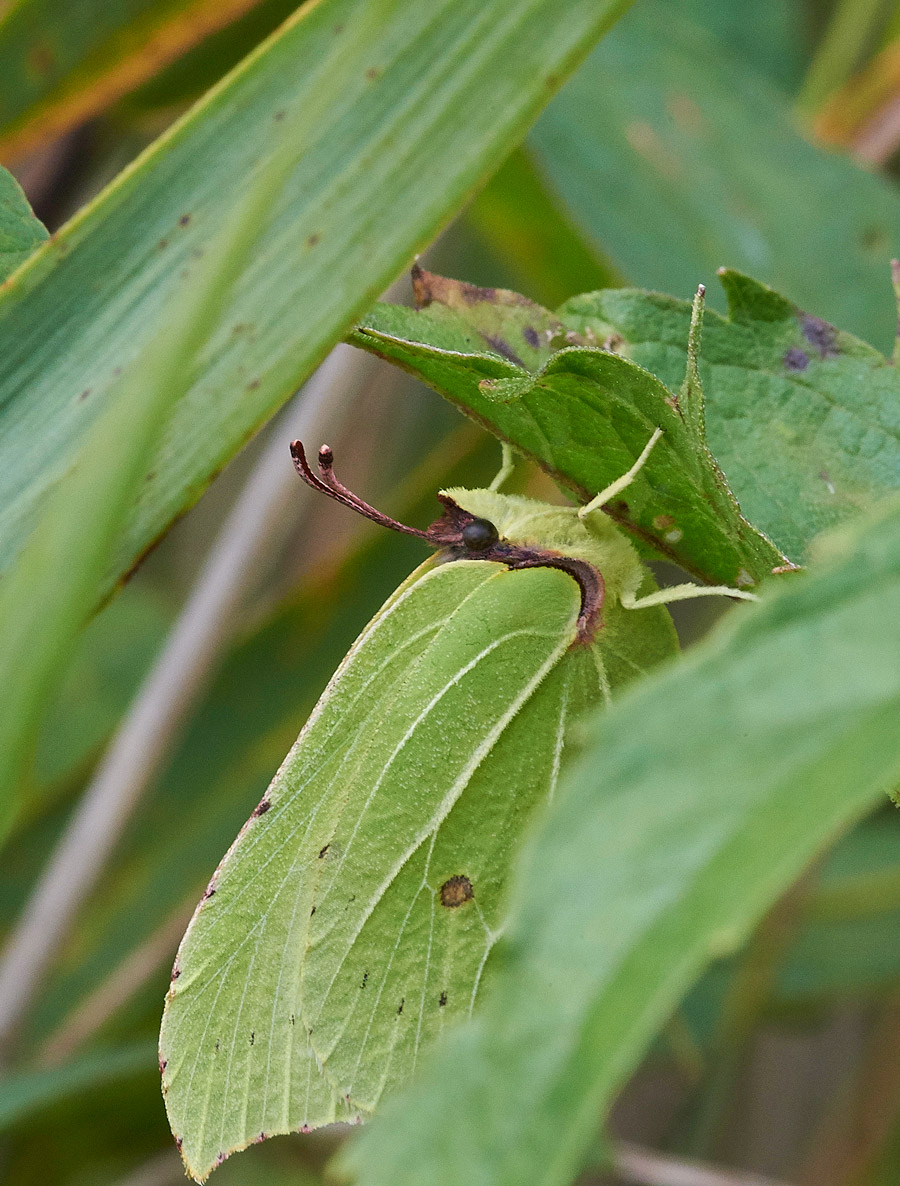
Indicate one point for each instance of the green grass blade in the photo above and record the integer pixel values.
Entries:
(516, 220)
(49, 594)
(62, 61)
(395, 113)
(701, 797)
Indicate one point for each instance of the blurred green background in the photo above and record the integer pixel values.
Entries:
(763, 137)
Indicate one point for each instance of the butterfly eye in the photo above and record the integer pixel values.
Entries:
(479, 534)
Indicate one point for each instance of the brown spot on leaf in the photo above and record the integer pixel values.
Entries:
(372, 73)
(313, 239)
(429, 288)
(253, 384)
(442, 999)
(365, 980)
(184, 220)
(530, 334)
(661, 522)
(163, 1063)
(262, 1136)
(176, 972)
(400, 1006)
(279, 116)
(455, 891)
(262, 807)
(85, 393)
(179, 1141)
(323, 851)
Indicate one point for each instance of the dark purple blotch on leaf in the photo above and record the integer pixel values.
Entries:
(820, 334)
(796, 359)
(504, 349)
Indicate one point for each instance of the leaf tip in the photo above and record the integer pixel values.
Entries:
(749, 300)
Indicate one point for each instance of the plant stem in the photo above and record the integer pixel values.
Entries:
(646, 1167)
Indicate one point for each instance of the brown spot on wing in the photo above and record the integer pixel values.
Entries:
(456, 891)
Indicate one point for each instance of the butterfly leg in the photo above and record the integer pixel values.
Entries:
(622, 483)
(507, 465)
(683, 593)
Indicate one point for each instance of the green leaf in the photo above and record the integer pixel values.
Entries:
(351, 921)
(49, 594)
(26, 1093)
(20, 231)
(701, 796)
(698, 163)
(351, 87)
(801, 416)
(62, 61)
(583, 413)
